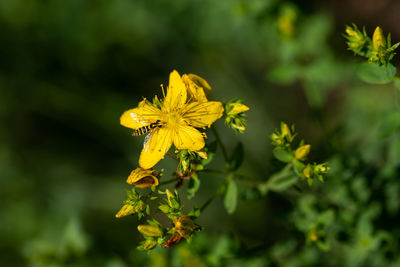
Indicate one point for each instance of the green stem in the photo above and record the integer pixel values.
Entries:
(217, 192)
(172, 156)
(239, 176)
(169, 181)
(219, 141)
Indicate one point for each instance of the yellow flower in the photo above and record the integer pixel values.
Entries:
(184, 226)
(124, 211)
(236, 108)
(142, 178)
(378, 39)
(176, 122)
(302, 152)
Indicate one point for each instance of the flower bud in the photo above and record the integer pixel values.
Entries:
(202, 154)
(285, 131)
(149, 230)
(378, 39)
(149, 244)
(236, 108)
(140, 206)
(308, 171)
(321, 168)
(302, 152)
(124, 211)
(313, 235)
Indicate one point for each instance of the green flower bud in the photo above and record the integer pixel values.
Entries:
(149, 244)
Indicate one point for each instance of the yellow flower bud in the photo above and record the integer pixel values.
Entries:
(308, 171)
(378, 39)
(236, 108)
(202, 154)
(302, 152)
(313, 236)
(124, 211)
(149, 244)
(351, 32)
(286, 131)
(184, 226)
(149, 230)
(142, 178)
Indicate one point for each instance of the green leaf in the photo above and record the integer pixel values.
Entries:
(397, 83)
(390, 123)
(193, 187)
(298, 167)
(376, 74)
(237, 157)
(284, 74)
(282, 155)
(231, 195)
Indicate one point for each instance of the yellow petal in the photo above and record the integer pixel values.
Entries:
(201, 82)
(187, 137)
(156, 147)
(176, 93)
(195, 91)
(237, 108)
(204, 114)
(143, 115)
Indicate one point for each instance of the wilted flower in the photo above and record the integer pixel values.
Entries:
(184, 226)
(142, 178)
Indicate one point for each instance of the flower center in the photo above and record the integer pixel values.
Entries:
(174, 119)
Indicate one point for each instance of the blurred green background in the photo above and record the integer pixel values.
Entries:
(68, 69)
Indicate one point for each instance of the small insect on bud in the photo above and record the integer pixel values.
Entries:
(142, 178)
(302, 152)
(378, 39)
(149, 230)
(125, 211)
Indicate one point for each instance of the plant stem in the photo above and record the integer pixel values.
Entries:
(172, 156)
(217, 192)
(219, 141)
(169, 181)
(238, 176)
